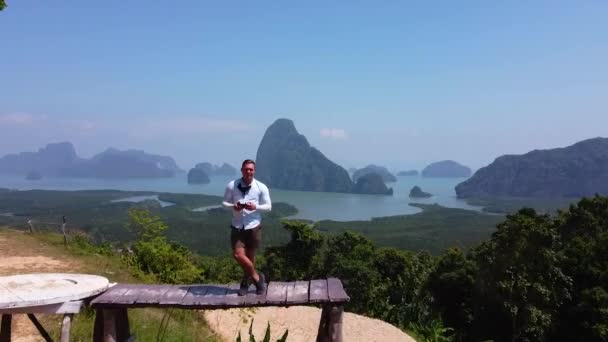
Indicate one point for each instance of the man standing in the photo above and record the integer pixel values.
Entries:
(247, 197)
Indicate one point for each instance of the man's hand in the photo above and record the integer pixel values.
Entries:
(238, 207)
(250, 206)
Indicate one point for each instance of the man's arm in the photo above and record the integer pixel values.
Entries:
(227, 203)
(264, 203)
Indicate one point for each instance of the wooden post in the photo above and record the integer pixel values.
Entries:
(40, 328)
(109, 326)
(65, 327)
(122, 324)
(323, 332)
(98, 327)
(65, 238)
(335, 323)
(330, 325)
(5, 328)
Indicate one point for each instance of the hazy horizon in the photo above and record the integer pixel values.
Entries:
(398, 85)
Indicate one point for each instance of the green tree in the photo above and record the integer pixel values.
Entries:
(350, 257)
(2, 5)
(300, 258)
(584, 232)
(520, 280)
(452, 284)
(402, 285)
(152, 253)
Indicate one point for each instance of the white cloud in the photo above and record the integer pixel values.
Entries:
(181, 127)
(20, 119)
(333, 133)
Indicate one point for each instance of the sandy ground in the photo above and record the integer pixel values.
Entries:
(21, 257)
(302, 322)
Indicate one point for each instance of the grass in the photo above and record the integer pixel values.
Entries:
(183, 325)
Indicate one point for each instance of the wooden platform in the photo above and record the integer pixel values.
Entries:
(210, 296)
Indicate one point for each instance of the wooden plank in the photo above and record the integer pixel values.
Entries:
(232, 298)
(252, 298)
(152, 294)
(298, 293)
(215, 295)
(335, 291)
(128, 297)
(194, 295)
(318, 291)
(277, 292)
(111, 294)
(175, 295)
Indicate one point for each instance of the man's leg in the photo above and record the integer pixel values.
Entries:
(250, 253)
(241, 257)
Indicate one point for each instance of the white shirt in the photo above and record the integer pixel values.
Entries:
(258, 194)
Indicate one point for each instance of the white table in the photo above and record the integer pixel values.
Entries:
(56, 293)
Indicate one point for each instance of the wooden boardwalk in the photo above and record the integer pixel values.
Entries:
(111, 322)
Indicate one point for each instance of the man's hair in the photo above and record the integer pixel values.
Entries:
(247, 161)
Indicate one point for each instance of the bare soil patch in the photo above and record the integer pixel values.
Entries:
(302, 322)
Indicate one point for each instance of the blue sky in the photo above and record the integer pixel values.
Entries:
(395, 83)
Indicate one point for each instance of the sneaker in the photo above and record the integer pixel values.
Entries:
(260, 285)
(244, 288)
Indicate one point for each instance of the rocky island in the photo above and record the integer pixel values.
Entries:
(574, 171)
(387, 177)
(446, 169)
(416, 192)
(372, 184)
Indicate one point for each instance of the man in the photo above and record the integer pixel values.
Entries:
(247, 197)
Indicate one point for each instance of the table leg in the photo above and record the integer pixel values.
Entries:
(5, 329)
(65, 327)
(40, 328)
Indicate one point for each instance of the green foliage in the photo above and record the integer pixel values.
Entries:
(152, 253)
(433, 331)
(2, 5)
(451, 284)
(520, 276)
(584, 232)
(266, 334)
(299, 258)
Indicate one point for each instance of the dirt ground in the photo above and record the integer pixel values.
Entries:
(302, 323)
(24, 255)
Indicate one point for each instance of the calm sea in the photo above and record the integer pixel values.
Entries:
(311, 205)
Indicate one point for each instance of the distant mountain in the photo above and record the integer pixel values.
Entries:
(47, 160)
(371, 183)
(408, 173)
(574, 171)
(61, 160)
(217, 170)
(416, 192)
(285, 160)
(446, 169)
(198, 176)
(387, 177)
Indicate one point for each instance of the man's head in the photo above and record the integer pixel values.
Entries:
(248, 170)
